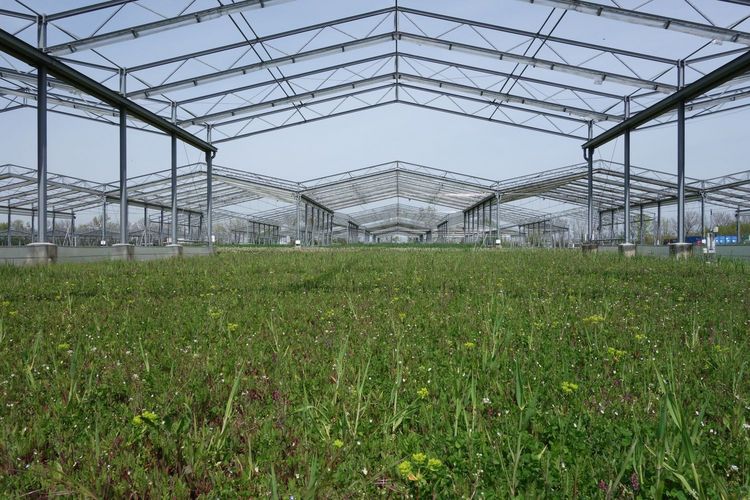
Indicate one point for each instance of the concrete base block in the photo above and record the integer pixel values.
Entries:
(41, 253)
(627, 249)
(680, 250)
(176, 250)
(122, 251)
(590, 247)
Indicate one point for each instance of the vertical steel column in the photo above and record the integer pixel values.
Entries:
(627, 172)
(497, 217)
(681, 158)
(33, 228)
(73, 228)
(123, 177)
(590, 196)
(173, 186)
(41, 151)
(161, 225)
(54, 223)
(209, 192)
(658, 223)
(703, 215)
(590, 188)
(145, 225)
(640, 226)
(739, 227)
(298, 218)
(10, 240)
(104, 219)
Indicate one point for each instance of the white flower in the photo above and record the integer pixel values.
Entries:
(364, 470)
(486, 401)
(734, 468)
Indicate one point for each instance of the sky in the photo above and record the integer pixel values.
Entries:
(716, 145)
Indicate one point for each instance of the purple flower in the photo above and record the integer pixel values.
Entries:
(602, 485)
(634, 483)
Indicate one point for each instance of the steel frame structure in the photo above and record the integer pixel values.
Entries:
(530, 78)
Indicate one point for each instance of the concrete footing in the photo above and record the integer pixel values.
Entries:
(680, 250)
(41, 253)
(175, 250)
(590, 247)
(626, 249)
(122, 251)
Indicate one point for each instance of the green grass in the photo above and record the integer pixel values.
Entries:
(367, 372)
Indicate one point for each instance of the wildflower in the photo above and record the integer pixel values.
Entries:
(640, 336)
(232, 327)
(602, 485)
(486, 401)
(434, 464)
(594, 319)
(417, 478)
(404, 468)
(419, 458)
(634, 482)
(402, 316)
(469, 345)
(569, 387)
(364, 471)
(145, 418)
(337, 443)
(615, 354)
(214, 313)
(12, 313)
(64, 346)
(423, 393)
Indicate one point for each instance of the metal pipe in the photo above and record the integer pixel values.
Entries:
(104, 220)
(681, 173)
(10, 240)
(41, 151)
(173, 186)
(590, 196)
(712, 80)
(627, 172)
(658, 223)
(123, 176)
(209, 195)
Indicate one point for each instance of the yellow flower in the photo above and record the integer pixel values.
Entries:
(402, 316)
(417, 478)
(594, 319)
(232, 327)
(419, 458)
(434, 464)
(337, 443)
(615, 354)
(640, 336)
(469, 345)
(404, 468)
(569, 387)
(64, 346)
(146, 417)
(423, 393)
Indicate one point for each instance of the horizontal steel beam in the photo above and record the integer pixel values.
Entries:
(249, 68)
(531, 34)
(156, 26)
(712, 80)
(34, 57)
(598, 75)
(87, 9)
(647, 19)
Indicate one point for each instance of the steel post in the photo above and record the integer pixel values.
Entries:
(590, 196)
(627, 172)
(640, 226)
(209, 194)
(123, 176)
(41, 151)
(739, 228)
(658, 223)
(104, 219)
(10, 240)
(681, 173)
(703, 215)
(173, 186)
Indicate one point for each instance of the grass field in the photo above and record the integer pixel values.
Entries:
(366, 372)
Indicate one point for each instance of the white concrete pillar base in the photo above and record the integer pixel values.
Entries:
(626, 249)
(41, 253)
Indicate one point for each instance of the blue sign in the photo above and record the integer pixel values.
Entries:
(726, 239)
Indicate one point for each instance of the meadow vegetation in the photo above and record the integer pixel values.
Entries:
(374, 372)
